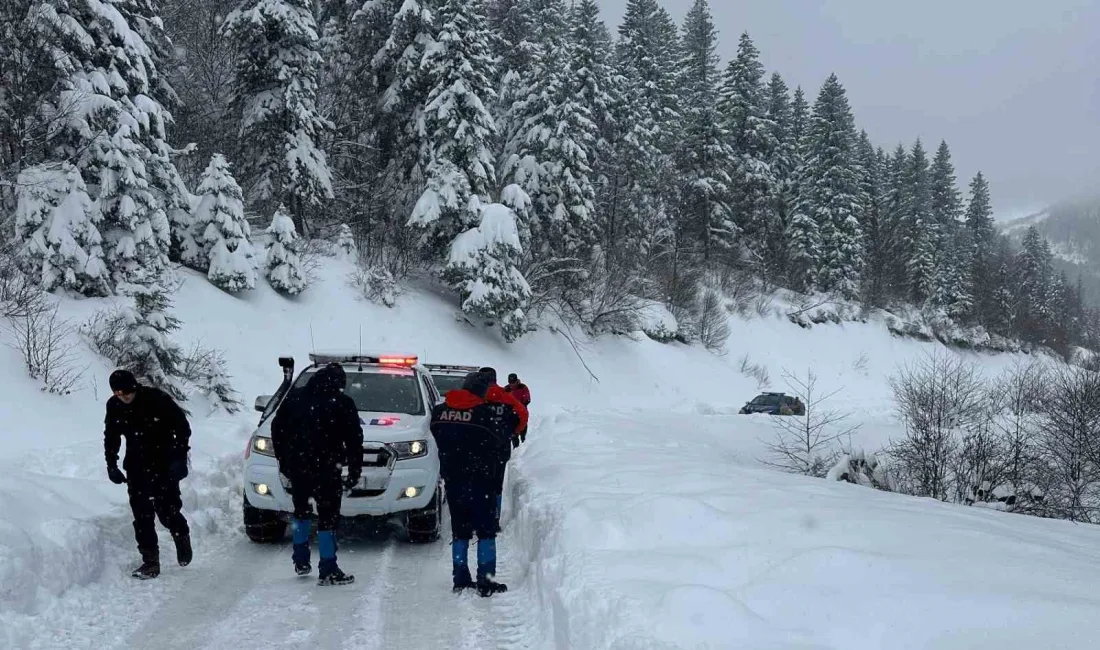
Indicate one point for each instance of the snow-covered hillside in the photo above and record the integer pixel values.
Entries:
(638, 516)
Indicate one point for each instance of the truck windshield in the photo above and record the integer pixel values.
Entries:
(447, 383)
(379, 390)
(766, 400)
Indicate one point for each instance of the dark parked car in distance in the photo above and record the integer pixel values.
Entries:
(774, 404)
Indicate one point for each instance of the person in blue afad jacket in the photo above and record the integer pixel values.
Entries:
(473, 435)
(315, 434)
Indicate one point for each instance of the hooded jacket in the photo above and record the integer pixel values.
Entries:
(317, 429)
(472, 435)
(520, 391)
(155, 428)
(498, 395)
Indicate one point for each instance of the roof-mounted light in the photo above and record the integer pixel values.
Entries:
(393, 360)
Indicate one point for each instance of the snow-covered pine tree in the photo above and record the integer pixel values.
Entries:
(646, 113)
(921, 232)
(1033, 288)
(404, 85)
(548, 154)
(283, 266)
(979, 225)
(512, 39)
(895, 216)
(278, 63)
(345, 243)
(109, 123)
(876, 229)
(482, 263)
(146, 347)
(705, 220)
(221, 230)
(55, 223)
(743, 107)
(946, 202)
(458, 157)
(782, 159)
(831, 192)
(592, 50)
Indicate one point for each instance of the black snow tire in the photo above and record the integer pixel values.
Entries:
(263, 526)
(423, 526)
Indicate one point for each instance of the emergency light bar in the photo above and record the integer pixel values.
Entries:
(404, 361)
(441, 366)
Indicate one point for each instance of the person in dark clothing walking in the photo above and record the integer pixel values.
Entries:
(315, 434)
(514, 421)
(472, 435)
(519, 390)
(157, 442)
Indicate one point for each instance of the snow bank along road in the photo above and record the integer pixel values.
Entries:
(624, 530)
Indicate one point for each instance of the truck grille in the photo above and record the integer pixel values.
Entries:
(375, 455)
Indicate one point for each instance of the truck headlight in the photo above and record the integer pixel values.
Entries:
(262, 445)
(410, 449)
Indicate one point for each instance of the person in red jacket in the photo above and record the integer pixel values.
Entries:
(520, 391)
(498, 395)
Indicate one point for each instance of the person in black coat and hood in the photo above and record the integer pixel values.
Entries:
(315, 434)
(157, 442)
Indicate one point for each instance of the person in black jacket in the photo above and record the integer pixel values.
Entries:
(315, 434)
(472, 435)
(157, 441)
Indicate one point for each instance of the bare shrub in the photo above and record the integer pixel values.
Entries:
(42, 339)
(712, 327)
(739, 287)
(19, 295)
(808, 444)
(755, 371)
(861, 363)
(861, 468)
(610, 303)
(205, 369)
(312, 253)
(936, 398)
(105, 331)
(1021, 392)
(1070, 433)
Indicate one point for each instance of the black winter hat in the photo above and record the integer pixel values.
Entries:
(512, 378)
(490, 374)
(330, 379)
(123, 380)
(476, 383)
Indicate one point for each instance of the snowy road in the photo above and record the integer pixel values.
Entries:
(241, 595)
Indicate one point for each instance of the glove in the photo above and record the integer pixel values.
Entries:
(177, 471)
(116, 475)
(351, 481)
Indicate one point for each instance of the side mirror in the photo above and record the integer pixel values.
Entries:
(262, 401)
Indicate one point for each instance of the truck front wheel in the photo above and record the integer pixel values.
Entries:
(263, 526)
(423, 525)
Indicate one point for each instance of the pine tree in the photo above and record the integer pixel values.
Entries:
(106, 90)
(146, 346)
(783, 160)
(704, 147)
(876, 230)
(743, 109)
(226, 251)
(592, 50)
(404, 84)
(482, 264)
(979, 225)
(1033, 291)
(946, 204)
(895, 218)
(516, 54)
(345, 243)
(831, 193)
(55, 223)
(549, 152)
(277, 68)
(458, 158)
(922, 233)
(283, 266)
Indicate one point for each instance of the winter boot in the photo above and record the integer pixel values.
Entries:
(330, 574)
(147, 571)
(487, 569)
(460, 550)
(183, 549)
(300, 555)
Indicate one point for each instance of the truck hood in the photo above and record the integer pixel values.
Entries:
(392, 427)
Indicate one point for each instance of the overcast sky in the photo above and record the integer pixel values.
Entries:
(1010, 84)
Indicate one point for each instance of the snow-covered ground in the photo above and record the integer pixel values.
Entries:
(638, 516)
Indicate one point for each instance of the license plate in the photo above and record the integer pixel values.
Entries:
(373, 480)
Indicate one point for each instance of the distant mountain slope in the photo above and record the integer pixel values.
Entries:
(1073, 230)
